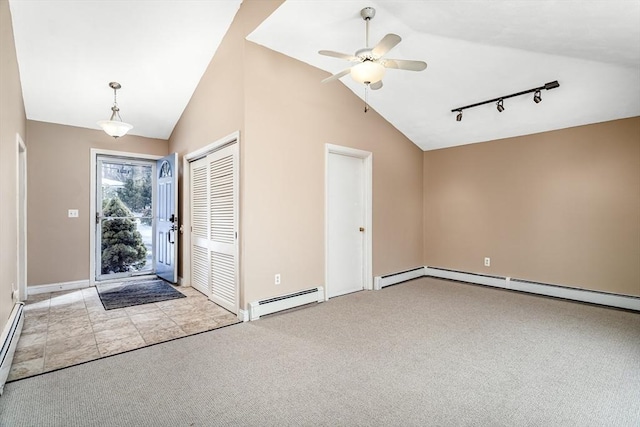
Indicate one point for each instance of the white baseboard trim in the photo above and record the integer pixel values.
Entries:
(461, 276)
(392, 279)
(584, 295)
(243, 315)
(56, 287)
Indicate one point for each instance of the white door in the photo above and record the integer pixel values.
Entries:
(199, 179)
(345, 224)
(214, 225)
(167, 218)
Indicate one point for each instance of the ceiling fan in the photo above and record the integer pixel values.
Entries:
(370, 65)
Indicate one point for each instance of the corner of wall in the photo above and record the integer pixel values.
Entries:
(13, 119)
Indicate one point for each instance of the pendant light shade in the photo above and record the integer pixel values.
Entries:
(115, 127)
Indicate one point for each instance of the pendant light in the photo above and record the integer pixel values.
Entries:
(113, 127)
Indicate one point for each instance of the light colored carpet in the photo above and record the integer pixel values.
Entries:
(426, 352)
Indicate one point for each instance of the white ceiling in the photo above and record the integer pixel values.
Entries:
(69, 50)
(476, 50)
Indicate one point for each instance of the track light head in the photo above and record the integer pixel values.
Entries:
(537, 97)
(459, 116)
(500, 105)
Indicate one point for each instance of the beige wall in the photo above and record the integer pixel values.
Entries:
(290, 116)
(286, 117)
(559, 207)
(12, 122)
(216, 108)
(59, 164)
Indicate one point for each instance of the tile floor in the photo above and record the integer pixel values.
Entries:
(66, 328)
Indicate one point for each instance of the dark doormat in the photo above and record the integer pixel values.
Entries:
(127, 294)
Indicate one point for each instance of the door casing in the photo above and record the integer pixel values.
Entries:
(367, 251)
(21, 192)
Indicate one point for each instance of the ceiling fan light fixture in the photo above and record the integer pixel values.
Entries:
(367, 72)
(370, 62)
(115, 127)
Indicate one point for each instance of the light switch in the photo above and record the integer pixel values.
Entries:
(73, 213)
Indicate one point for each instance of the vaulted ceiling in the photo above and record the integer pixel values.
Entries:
(69, 50)
(476, 50)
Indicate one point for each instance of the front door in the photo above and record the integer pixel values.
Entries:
(124, 219)
(167, 218)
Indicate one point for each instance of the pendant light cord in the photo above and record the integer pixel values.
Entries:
(115, 110)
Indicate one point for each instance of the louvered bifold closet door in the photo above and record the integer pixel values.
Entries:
(223, 218)
(200, 226)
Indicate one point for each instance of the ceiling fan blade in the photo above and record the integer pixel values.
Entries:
(337, 76)
(338, 55)
(375, 86)
(387, 43)
(404, 64)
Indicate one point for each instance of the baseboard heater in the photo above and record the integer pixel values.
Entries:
(285, 302)
(585, 295)
(9, 340)
(395, 278)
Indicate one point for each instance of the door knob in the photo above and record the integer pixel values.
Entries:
(362, 229)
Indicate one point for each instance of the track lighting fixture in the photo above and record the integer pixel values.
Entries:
(537, 98)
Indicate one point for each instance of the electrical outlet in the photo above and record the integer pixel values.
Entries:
(277, 279)
(487, 262)
(73, 213)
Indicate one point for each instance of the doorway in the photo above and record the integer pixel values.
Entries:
(134, 204)
(348, 220)
(124, 218)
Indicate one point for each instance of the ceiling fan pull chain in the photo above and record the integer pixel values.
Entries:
(366, 98)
